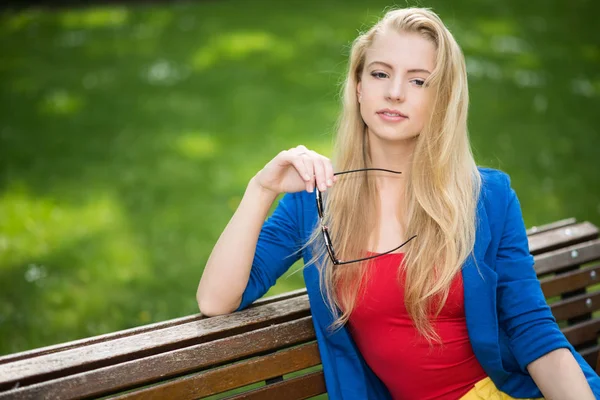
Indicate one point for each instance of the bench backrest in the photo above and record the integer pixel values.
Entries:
(269, 350)
(566, 262)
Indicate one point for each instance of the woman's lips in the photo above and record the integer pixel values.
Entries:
(391, 118)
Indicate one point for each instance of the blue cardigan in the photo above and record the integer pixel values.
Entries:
(508, 320)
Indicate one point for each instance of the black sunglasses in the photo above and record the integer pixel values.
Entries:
(325, 229)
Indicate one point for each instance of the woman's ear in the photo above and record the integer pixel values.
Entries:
(358, 92)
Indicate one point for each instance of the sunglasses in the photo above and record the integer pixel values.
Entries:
(325, 228)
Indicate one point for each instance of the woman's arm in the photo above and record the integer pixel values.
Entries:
(251, 253)
(558, 375)
(228, 267)
(538, 345)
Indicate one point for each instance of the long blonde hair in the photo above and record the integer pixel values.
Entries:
(441, 192)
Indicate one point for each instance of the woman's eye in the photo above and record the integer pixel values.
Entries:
(378, 74)
(381, 75)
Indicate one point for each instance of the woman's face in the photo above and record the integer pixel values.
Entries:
(396, 66)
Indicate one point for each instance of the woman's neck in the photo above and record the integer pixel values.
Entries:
(392, 155)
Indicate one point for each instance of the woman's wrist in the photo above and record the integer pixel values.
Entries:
(256, 190)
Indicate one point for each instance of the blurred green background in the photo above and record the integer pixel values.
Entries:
(128, 134)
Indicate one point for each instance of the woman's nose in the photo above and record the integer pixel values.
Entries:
(396, 92)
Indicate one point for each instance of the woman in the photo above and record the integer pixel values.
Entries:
(417, 265)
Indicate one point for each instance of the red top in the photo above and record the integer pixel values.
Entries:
(389, 342)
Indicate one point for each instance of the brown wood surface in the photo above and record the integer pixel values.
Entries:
(534, 230)
(575, 306)
(293, 389)
(135, 331)
(562, 237)
(232, 376)
(582, 332)
(570, 281)
(558, 260)
(171, 364)
(146, 344)
(590, 355)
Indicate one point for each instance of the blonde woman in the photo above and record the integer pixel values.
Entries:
(417, 265)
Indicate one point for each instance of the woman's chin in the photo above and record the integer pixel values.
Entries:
(392, 136)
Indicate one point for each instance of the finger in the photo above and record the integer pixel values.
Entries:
(308, 167)
(301, 168)
(328, 171)
(296, 160)
(319, 172)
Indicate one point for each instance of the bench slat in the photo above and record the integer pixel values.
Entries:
(222, 379)
(576, 306)
(561, 259)
(590, 355)
(103, 354)
(96, 339)
(559, 238)
(172, 364)
(582, 332)
(570, 281)
(303, 387)
(135, 331)
(534, 230)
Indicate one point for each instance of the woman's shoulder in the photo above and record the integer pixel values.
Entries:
(495, 194)
(493, 177)
(495, 183)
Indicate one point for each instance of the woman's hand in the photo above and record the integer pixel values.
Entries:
(296, 169)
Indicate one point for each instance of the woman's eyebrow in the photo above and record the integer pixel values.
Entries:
(392, 68)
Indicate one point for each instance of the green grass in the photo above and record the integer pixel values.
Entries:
(128, 134)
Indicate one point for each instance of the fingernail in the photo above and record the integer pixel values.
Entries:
(329, 182)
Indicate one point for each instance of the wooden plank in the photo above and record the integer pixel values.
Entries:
(96, 339)
(582, 332)
(135, 331)
(222, 379)
(562, 237)
(163, 366)
(567, 282)
(557, 260)
(590, 355)
(576, 305)
(300, 388)
(80, 359)
(553, 225)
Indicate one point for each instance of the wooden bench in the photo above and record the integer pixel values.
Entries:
(270, 345)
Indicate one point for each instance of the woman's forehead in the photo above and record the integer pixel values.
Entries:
(401, 50)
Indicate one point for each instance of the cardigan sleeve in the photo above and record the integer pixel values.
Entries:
(276, 249)
(522, 308)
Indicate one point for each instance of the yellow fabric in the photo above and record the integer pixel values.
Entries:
(486, 390)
